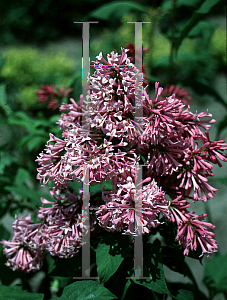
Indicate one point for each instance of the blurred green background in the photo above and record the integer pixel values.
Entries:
(41, 44)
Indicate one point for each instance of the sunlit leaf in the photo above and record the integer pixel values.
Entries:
(86, 290)
(108, 258)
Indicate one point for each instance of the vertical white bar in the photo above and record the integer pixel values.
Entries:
(86, 190)
(86, 226)
(139, 65)
(138, 246)
(85, 63)
(85, 184)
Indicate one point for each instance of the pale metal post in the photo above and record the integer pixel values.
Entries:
(85, 185)
(138, 246)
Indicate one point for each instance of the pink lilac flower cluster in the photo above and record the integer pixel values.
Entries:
(59, 231)
(120, 214)
(52, 95)
(171, 143)
(24, 251)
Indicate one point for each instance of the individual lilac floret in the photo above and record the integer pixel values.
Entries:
(121, 209)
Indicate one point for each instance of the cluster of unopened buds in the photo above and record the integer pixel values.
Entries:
(113, 143)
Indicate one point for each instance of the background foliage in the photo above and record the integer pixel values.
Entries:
(186, 47)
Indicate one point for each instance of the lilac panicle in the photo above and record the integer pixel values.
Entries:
(111, 145)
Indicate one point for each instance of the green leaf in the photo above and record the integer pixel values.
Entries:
(215, 274)
(86, 290)
(184, 294)
(185, 291)
(16, 293)
(35, 142)
(4, 235)
(168, 4)
(117, 9)
(76, 186)
(203, 30)
(109, 257)
(162, 61)
(98, 187)
(24, 192)
(54, 118)
(143, 159)
(2, 61)
(24, 140)
(74, 79)
(206, 7)
(21, 176)
(51, 263)
(119, 282)
(22, 119)
(153, 267)
(3, 100)
(188, 3)
(5, 180)
(6, 159)
(4, 205)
